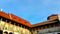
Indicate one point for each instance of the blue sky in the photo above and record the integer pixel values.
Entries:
(32, 10)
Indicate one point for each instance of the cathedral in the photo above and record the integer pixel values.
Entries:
(12, 24)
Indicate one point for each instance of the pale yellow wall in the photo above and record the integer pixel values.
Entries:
(59, 16)
(13, 28)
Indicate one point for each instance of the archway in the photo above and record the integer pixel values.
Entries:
(5, 32)
(10, 33)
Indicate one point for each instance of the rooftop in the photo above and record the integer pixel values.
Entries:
(25, 22)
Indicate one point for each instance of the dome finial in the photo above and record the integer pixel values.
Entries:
(9, 13)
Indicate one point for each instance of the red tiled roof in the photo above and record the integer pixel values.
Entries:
(23, 21)
(15, 18)
(43, 23)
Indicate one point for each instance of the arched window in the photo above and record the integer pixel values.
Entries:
(5, 32)
(10, 33)
(1, 32)
(38, 32)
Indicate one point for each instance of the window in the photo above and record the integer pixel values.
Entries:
(11, 27)
(51, 25)
(2, 24)
(38, 32)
